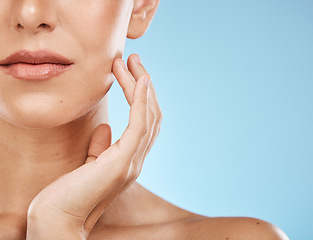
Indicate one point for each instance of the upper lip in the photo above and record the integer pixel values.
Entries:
(35, 57)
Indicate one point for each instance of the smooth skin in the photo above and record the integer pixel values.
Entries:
(60, 176)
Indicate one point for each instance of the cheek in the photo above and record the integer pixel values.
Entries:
(101, 28)
(100, 32)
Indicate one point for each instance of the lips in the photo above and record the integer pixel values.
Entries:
(35, 65)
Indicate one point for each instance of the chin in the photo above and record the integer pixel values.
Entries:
(42, 112)
(37, 120)
(52, 103)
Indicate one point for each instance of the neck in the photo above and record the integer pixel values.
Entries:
(30, 159)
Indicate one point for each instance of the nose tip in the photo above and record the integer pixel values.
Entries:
(35, 18)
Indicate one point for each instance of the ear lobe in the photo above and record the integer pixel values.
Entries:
(142, 15)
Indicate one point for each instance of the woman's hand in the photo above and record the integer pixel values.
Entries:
(70, 206)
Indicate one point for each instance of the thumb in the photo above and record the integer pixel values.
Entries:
(100, 141)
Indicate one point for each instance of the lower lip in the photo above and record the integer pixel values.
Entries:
(35, 72)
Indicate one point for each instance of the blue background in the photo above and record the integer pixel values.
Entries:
(235, 84)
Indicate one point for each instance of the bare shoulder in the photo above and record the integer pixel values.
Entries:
(233, 228)
(139, 214)
(196, 228)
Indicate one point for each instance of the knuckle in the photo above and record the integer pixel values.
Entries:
(144, 101)
(143, 129)
(146, 75)
(159, 116)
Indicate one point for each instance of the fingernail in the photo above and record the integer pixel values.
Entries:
(137, 59)
(123, 64)
(147, 81)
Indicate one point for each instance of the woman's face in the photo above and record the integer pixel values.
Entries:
(90, 33)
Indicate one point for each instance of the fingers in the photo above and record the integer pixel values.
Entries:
(145, 116)
(138, 122)
(100, 141)
(137, 69)
(124, 78)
